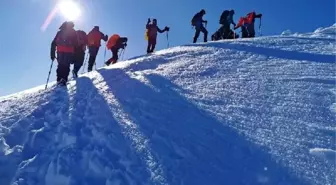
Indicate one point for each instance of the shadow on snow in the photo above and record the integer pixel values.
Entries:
(192, 147)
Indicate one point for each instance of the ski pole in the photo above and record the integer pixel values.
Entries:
(52, 62)
(167, 40)
(123, 53)
(260, 27)
(105, 54)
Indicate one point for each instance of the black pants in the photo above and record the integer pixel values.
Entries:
(244, 32)
(248, 31)
(115, 57)
(151, 45)
(64, 60)
(226, 31)
(78, 60)
(198, 31)
(93, 51)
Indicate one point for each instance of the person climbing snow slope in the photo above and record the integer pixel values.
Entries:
(151, 33)
(64, 43)
(197, 21)
(94, 38)
(247, 24)
(115, 43)
(79, 54)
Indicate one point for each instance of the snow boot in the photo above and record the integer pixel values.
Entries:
(74, 74)
(61, 82)
(107, 63)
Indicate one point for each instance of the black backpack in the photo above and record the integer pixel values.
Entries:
(193, 23)
(223, 17)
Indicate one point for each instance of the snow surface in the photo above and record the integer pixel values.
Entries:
(248, 111)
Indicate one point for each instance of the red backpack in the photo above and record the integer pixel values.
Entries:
(112, 41)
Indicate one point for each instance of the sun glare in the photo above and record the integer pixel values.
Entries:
(69, 9)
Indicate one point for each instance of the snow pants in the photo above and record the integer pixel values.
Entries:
(151, 45)
(64, 60)
(93, 51)
(225, 29)
(248, 31)
(198, 31)
(114, 58)
(78, 60)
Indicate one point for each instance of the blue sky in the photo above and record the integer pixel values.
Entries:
(24, 48)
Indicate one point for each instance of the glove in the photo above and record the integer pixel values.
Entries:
(52, 57)
(167, 28)
(234, 24)
(148, 21)
(206, 22)
(105, 38)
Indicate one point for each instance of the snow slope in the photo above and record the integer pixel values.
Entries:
(247, 112)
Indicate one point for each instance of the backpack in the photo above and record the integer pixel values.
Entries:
(193, 20)
(223, 17)
(66, 38)
(146, 34)
(112, 41)
(82, 38)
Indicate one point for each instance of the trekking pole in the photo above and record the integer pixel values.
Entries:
(122, 54)
(52, 62)
(167, 40)
(260, 27)
(105, 54)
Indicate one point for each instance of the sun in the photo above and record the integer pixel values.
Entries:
(69, 9)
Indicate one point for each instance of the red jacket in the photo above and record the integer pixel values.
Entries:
(94, 38)
(152, 31)
(248, 20)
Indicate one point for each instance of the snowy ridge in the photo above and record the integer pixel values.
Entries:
(247, 112)
(324, 153)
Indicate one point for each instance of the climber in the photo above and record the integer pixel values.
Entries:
(151, 34)
(64, 43)
(79, 54)
(226, 19)
(94, 38)
(115, 43)
(197, 21)
(247, 24)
